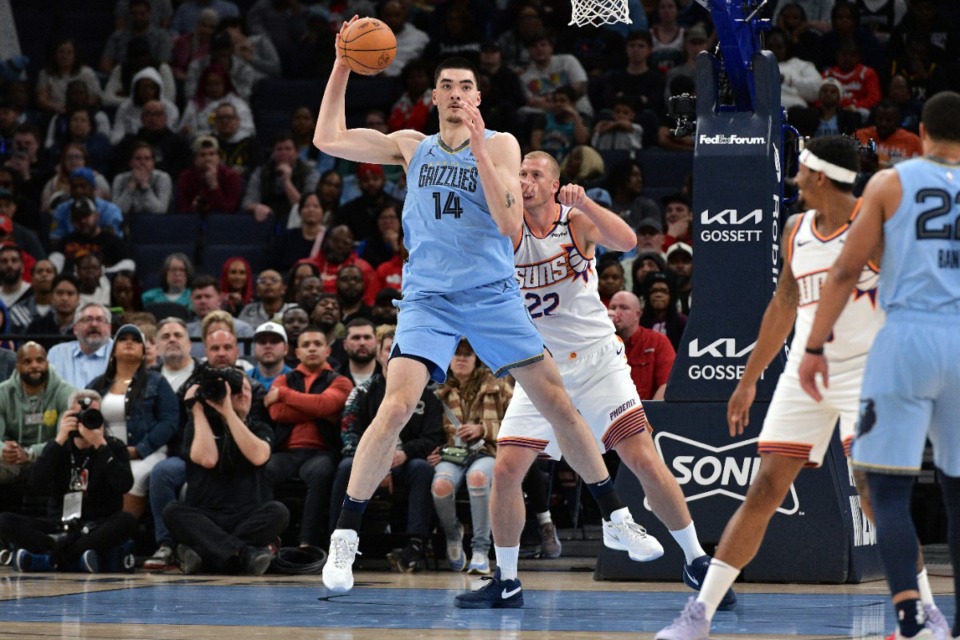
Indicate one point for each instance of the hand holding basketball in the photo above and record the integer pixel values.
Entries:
(366, 45)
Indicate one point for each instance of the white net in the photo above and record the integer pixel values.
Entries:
(599, 12)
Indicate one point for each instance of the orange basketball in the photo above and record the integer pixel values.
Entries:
(368, 46)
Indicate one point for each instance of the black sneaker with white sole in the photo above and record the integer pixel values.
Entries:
(496, 594)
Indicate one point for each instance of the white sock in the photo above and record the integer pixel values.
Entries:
(544, 518)
(687, 539)
(619, 515)
(507, 558)
(720, 577)
(926, 594)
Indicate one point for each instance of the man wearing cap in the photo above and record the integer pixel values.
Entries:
(208, 185)
(13, 231)
(270, 351)
(277, 185)
(650, 235)
(680, 263)
(89, 238)
(307, 403)
(82, 360)
(360, 214)
(83, 185)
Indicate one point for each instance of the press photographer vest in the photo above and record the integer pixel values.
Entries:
(329, 431)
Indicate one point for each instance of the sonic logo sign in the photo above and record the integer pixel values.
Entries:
(704, 471)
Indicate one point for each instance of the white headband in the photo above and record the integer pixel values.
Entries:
(828, 169)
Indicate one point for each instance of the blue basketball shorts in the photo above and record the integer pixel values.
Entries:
(492, 317)
(911, 392)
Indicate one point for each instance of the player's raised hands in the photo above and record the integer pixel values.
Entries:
(336, 41)
(474, 123)
(571, 195)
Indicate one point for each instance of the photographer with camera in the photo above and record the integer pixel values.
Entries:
(418, 451)
(224, 523)
(86, 472)
(141, 408)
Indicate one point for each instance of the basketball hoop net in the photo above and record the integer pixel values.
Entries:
(599, 12)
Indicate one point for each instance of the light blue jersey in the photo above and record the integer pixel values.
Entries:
(921, 257)
(453, 241)
(910, 386)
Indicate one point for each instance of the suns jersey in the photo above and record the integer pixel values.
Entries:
(559, 286)
(453, 241)
(811, 256)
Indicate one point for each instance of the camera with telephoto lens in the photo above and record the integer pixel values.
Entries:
(211, 383)
(88, 417)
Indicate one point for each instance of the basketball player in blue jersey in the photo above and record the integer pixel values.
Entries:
(462, 207)
(555, 263)
(796, 430)
(911, 387)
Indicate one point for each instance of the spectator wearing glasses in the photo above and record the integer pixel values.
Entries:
(82, 360)
(270, 303)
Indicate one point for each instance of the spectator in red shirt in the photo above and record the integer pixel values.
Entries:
(894, 143)
(649, 353)
(336, 252)
(861, 84)
(307, 404)
(209, 185)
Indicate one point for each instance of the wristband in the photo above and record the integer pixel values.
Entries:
(814, 352)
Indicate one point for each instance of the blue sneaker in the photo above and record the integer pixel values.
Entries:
(33, 562)
(696, 571)
(496, 594)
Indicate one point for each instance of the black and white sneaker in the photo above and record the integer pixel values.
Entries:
(496, 594)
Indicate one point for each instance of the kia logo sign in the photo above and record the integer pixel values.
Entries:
(705, 471)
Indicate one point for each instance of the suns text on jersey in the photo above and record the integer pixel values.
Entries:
(543, 274)
(448, 175)
(809, 285)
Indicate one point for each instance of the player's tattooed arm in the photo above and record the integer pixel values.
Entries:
(510, 199)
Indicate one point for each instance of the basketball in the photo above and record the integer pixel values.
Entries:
(368, 46)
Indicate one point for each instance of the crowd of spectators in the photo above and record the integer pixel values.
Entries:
(165, 122)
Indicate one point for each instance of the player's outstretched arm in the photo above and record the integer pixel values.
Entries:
(778, 320)
(598, 225)
(881, 198)
(359, 145)
(498, 163)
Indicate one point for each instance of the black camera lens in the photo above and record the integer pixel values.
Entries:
(212, 389)
(91, 418)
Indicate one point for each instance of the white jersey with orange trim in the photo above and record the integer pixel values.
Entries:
(559, 285)
(811, 256)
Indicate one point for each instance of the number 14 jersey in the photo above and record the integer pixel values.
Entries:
(559, 285)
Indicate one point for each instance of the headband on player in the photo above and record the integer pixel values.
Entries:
(828, 169)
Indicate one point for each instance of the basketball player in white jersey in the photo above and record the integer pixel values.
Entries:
(554, 256)
(797, 430)
(911, 387)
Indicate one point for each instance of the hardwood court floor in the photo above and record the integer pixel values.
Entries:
(561, 605)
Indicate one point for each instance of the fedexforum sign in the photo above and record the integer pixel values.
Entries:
(722, 138)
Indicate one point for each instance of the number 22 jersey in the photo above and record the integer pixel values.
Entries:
(558, 281)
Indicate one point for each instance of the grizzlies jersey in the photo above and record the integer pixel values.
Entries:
(559, 286)
(453, 241)
(811, 256)
(921, 252)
